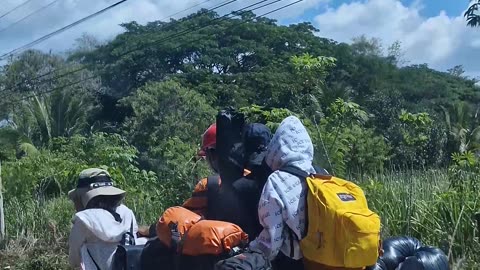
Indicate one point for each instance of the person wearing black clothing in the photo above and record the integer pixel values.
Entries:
(237, 202)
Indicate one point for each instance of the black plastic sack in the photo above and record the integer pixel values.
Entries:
(397, 249)
(249, 260)
(229, 145)
(408, 253)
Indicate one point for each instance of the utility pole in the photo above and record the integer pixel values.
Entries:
(2, 213)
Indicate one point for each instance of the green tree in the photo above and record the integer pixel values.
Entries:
(415, 131)
(166, 125)
(64, 112)
(368, 47)
(463, 127)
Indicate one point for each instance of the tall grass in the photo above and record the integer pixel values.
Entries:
(419, 204)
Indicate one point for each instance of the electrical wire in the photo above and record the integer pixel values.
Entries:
(26, 46)
(53, 89)
(188, 31)
(15, 8)
(222, 4)
(29, 15)
(256, 17)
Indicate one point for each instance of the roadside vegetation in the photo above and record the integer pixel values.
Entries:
(408, 134)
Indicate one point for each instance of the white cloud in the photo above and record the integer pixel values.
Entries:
(441, 41)
(65, 12)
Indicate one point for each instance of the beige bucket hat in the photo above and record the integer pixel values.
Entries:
(91, 183)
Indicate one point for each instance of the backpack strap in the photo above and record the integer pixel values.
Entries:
(132, 240)
(302, 175)
(295, 171)
(91, 257)
(212, 190)
(292, 247)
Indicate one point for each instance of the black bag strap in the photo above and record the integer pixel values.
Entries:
(302, 175)
(292, 247)
(212, 190)
(93, 260)
(212, 186)
(295, 171)
(132, 239)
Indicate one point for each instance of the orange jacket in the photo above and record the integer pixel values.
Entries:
(198, 202)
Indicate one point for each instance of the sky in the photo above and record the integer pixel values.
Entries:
(430, 31)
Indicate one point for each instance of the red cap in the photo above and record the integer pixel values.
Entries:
(209, 139)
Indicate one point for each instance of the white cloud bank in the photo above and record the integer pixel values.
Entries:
(441, 41)
(106, 25)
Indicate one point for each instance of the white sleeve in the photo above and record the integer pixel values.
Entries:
(76, 240)
(271, 218)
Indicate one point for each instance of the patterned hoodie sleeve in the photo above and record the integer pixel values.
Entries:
(271, 218)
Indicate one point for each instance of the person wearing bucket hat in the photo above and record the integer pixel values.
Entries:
(100, 221)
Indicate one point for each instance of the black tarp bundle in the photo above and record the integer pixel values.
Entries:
(408, 253)
(230, 149)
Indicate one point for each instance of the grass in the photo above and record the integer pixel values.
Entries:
(419, 204)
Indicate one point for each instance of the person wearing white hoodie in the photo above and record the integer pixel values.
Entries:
(282, 205)
(100, 222)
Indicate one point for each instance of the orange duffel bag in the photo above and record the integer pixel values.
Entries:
(212, 237)
(173, 224)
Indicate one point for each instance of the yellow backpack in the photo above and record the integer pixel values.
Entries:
(342, 231)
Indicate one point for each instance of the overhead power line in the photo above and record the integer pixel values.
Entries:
(165, 39)
(280, 8)
(55, 89)
(26, 46)
(15, 8)
(256, 17)
(187, 31)
(222, 4)
(182, 33)
(29, 15)
(183, 10)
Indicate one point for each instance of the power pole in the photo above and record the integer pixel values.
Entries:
(2, 213)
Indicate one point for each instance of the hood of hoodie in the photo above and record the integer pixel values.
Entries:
(290, 146)
(103, 225)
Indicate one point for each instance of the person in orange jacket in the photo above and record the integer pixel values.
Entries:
(198, 201)
(257, 137)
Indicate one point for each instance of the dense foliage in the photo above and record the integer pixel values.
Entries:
(145, 98)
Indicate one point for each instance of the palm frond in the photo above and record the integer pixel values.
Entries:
(473, 18)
